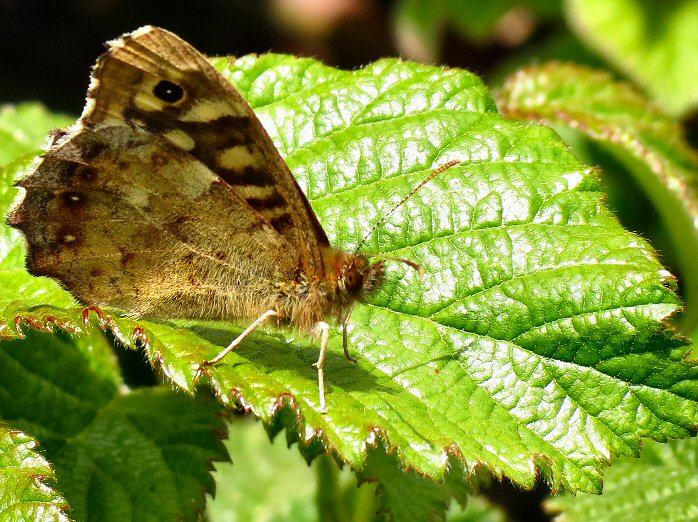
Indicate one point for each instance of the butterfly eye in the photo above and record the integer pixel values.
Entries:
(353, 280)
(168, 92)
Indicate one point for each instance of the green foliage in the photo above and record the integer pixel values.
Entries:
(117, 456)
(650, 145)
(252, 491)
(23, 128)
(535, 346)
(419, 24)
(654, 43)
(645, 139)
(664, 482)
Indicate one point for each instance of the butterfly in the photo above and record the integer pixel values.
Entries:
(168, 199)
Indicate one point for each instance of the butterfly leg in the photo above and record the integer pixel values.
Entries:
(323, 330)
(345, 340)
(235, 343)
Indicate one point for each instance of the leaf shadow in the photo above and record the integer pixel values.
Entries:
(271, 351)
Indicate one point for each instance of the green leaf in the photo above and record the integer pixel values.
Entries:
(407, 495)
(478, 509)
(23, 128)
(654, 43)
(24, 494)
(663, 483)
(643, 137)
(146, 454)
(535, 343)
(252, 486)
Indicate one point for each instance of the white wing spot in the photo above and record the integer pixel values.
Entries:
(211, 110)
(238, 156)
(181, 139)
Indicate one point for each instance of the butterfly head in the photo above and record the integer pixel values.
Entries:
(359, 277)
(351, 278)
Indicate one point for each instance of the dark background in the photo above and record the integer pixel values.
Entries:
(48, 47)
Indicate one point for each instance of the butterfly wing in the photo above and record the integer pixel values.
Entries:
(162, 207)
(118, 233)
(155, 80)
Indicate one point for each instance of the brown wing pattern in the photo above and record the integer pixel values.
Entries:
(154, 80)
(118, 232)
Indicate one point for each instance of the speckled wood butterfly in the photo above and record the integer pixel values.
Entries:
(168, 199)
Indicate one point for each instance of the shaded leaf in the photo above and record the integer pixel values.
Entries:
(477, 510)
(253, 487)
(148, 452)
(406, 495)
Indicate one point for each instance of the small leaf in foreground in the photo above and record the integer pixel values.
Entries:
(147, 452)
(24, 494)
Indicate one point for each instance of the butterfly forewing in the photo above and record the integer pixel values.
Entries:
(182, 98)
(168, 198)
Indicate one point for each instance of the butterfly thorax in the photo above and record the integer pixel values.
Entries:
(347, 279)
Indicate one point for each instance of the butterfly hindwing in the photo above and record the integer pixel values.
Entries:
(118, 232)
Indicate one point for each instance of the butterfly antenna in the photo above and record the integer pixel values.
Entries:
(385, 217)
